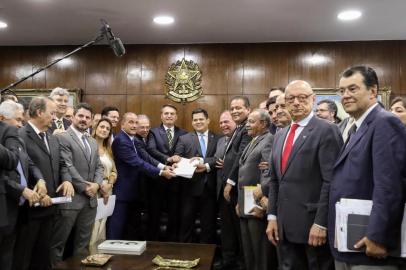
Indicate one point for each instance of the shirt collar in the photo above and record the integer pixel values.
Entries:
(77, 132)
(57, 119)
(129, 136)
(305, 121)
(364, 115)
(171, 128)
(205, 134)
(34, 127)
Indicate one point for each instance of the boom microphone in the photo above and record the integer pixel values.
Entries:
(115, 43)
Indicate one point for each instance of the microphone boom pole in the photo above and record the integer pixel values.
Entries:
(90, 43)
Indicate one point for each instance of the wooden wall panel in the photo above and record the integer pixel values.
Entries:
(136, 81)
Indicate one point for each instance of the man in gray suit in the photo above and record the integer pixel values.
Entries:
(301, 168)
(81, 156)
(258, 251)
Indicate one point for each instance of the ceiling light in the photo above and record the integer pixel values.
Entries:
(349, 15)
(164, 20)
(3, 24)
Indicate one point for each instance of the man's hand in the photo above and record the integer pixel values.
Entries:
(272, 232)
(264, 202)
(373, 249)
(317, 236)
(91, 189)
(200, 168)
(226, 193)
(45, 201)
(219, 163)
(168, 174)
(41, 188)
(257, 212)
(31, 196)
(171, 168)
(237, 210)
(66, 188)
(263, 165)
(174, 159)
(258, 193)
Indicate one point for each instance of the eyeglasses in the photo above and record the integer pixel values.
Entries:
(300, 98)
(352, 89)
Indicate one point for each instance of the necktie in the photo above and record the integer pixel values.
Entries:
(23, 180)
(347, 128)
(288, 146)
(135, 148)
(59, 124)
(170, 138)
(87, 149)
(351, 132)
(44, 139)
(202, 144)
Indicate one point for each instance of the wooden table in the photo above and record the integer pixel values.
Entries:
(180, 251)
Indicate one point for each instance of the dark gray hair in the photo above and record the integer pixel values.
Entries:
(9, 108)
(264, 116)
(38, 103)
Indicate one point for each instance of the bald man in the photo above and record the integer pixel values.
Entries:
(301, 168)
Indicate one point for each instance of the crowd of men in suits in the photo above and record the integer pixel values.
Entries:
(294, 162)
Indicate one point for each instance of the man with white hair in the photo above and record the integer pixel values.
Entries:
(12, 113)
(61, 98)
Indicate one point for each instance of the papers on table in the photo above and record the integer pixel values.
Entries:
(105, 210)
(122, 247)
(346, 207)
(185, 168)
(249, 201)
(58, 200)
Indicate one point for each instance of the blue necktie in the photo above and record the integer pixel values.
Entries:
(202, 144)
(23, 180)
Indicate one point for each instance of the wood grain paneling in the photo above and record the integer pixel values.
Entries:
(136, 81)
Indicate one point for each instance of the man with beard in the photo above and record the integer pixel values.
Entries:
(81, 155)
(61, 97)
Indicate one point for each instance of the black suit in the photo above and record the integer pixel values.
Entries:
(35, 224)
(299, 195)
(66, 125)
(9, 146)
(230, 223)
(199, 193)
(158, 147)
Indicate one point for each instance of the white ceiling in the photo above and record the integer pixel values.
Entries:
(66, 22)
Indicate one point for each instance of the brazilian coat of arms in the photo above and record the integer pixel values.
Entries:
(183, 81)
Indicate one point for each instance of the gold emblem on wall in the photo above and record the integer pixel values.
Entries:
(183, 81)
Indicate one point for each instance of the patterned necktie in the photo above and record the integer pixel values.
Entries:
(351, 132)
(23, 181)
(44, 139)
(202, 144)
(170, 138)
(59, 124)
(87, 149)
(288, 147)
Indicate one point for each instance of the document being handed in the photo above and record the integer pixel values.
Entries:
(186, 168)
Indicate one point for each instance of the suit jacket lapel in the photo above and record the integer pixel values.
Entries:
(196, 142)
(80, 144)
(34, 136)
(279, 149)
(210, 144)
(164, 138)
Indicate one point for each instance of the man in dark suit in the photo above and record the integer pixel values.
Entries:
(35, 224)
(161, 146)
(199, 193)
(61, 97)
(129, 167)
(9, 159)
(81, 156)
(258, 251)
(370, 167)
(230, 229)
(301, 168)
(113, 114)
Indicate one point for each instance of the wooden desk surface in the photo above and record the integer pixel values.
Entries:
(180, 251)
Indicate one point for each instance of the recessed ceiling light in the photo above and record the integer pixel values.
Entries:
(349, 15)
(3, 24)
(164, 20)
